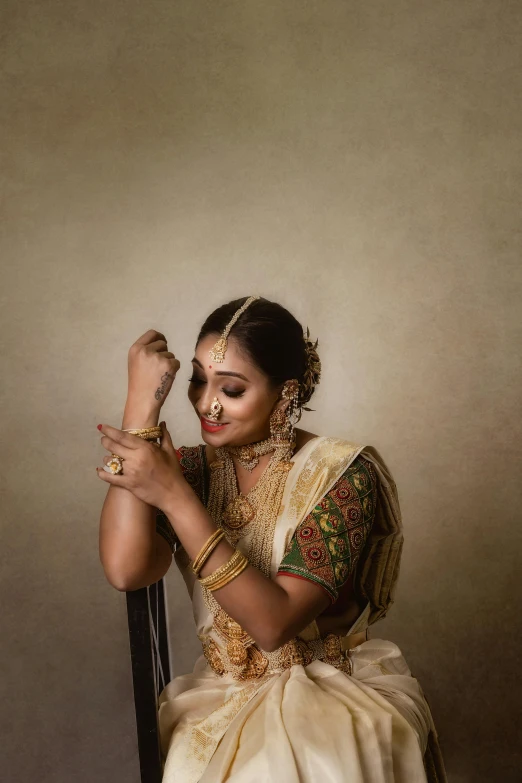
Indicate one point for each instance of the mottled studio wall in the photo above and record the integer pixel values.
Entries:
(361, 164)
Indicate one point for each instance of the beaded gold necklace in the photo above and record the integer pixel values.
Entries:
(248, 456)
(256, 511)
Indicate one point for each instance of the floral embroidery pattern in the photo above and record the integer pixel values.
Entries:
(191, 462)
(327, 543)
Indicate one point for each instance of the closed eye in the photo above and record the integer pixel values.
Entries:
(228, 392)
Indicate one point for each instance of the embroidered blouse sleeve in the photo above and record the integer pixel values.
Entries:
(191, 462)
(327, 543)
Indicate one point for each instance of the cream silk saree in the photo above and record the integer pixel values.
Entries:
(314, 722)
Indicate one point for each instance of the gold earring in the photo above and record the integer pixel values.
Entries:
(282, 422)
(215, 409)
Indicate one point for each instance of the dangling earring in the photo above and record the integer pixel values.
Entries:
(282, 422)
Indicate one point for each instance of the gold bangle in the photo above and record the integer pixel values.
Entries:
(144, 430)
(238, 570)
(206, 550)
(150, 434)
(147, 435)
(228, 577)
(216, 576)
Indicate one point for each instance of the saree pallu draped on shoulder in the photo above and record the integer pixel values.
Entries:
(310, 722)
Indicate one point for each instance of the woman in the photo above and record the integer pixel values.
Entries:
(289, 544)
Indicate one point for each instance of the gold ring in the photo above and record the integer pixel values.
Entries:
(115, 465)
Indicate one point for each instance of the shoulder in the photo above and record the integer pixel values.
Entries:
(360, 470)
(359, 482)
(330, 453)
(353, 496)
(302, 437)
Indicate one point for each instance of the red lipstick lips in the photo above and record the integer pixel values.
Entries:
(211, 427)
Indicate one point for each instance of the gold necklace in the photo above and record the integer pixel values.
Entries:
(248, 455)
(231, 509)
(232, 512)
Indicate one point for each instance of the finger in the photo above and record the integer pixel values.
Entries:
(158, 345)
(166, 440)
(117, 437)
(111, 478)
(117, 448)
(149, 336)
(167, 354)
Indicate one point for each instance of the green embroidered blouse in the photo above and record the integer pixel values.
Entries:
(326, 545)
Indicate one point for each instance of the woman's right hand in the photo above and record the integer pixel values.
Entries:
(152, 369)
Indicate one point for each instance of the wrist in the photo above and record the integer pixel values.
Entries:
(138, 416)
(180, 502)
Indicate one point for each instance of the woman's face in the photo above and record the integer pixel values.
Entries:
(241, 388)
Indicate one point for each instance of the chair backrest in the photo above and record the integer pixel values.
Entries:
(150, 660)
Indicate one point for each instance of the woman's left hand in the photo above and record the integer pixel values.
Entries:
(152, 474)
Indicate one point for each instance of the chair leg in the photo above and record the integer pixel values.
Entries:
(143, 680)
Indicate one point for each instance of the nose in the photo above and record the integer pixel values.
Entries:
(203, 405)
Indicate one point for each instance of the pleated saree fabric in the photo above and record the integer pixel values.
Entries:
(312, 720)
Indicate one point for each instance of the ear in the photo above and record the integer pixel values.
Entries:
(281, 404)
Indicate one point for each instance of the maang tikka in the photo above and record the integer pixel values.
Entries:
(217, 352)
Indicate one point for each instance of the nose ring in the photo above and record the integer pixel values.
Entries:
(215, 409)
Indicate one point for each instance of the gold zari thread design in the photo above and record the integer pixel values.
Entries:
(205, 735)
(334, 452)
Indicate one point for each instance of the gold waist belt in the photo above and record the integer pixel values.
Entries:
(249, 662)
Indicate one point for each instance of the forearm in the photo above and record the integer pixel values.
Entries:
(127, 540)
(256, 602)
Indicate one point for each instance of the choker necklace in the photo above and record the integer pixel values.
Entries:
(248, 454)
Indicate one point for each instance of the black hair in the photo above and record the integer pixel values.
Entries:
(269, 336)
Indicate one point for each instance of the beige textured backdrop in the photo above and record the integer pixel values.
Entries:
(359, 163)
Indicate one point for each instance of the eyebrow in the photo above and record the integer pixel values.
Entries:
(223, 372)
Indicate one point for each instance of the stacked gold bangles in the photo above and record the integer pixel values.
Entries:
(147, 433)
(235, 565)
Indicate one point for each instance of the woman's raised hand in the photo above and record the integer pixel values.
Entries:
(152, 369)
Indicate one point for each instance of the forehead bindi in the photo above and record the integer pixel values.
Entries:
(222, 369)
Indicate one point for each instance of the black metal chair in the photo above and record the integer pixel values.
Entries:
(150, 659)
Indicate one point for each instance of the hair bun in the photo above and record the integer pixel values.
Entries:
(312, 373)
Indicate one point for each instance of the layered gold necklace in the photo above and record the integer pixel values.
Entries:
(232, 510)
(255, 512)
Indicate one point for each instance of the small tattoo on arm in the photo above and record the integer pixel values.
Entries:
(164, 381)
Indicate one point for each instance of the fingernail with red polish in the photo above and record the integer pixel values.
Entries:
(99, 426)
